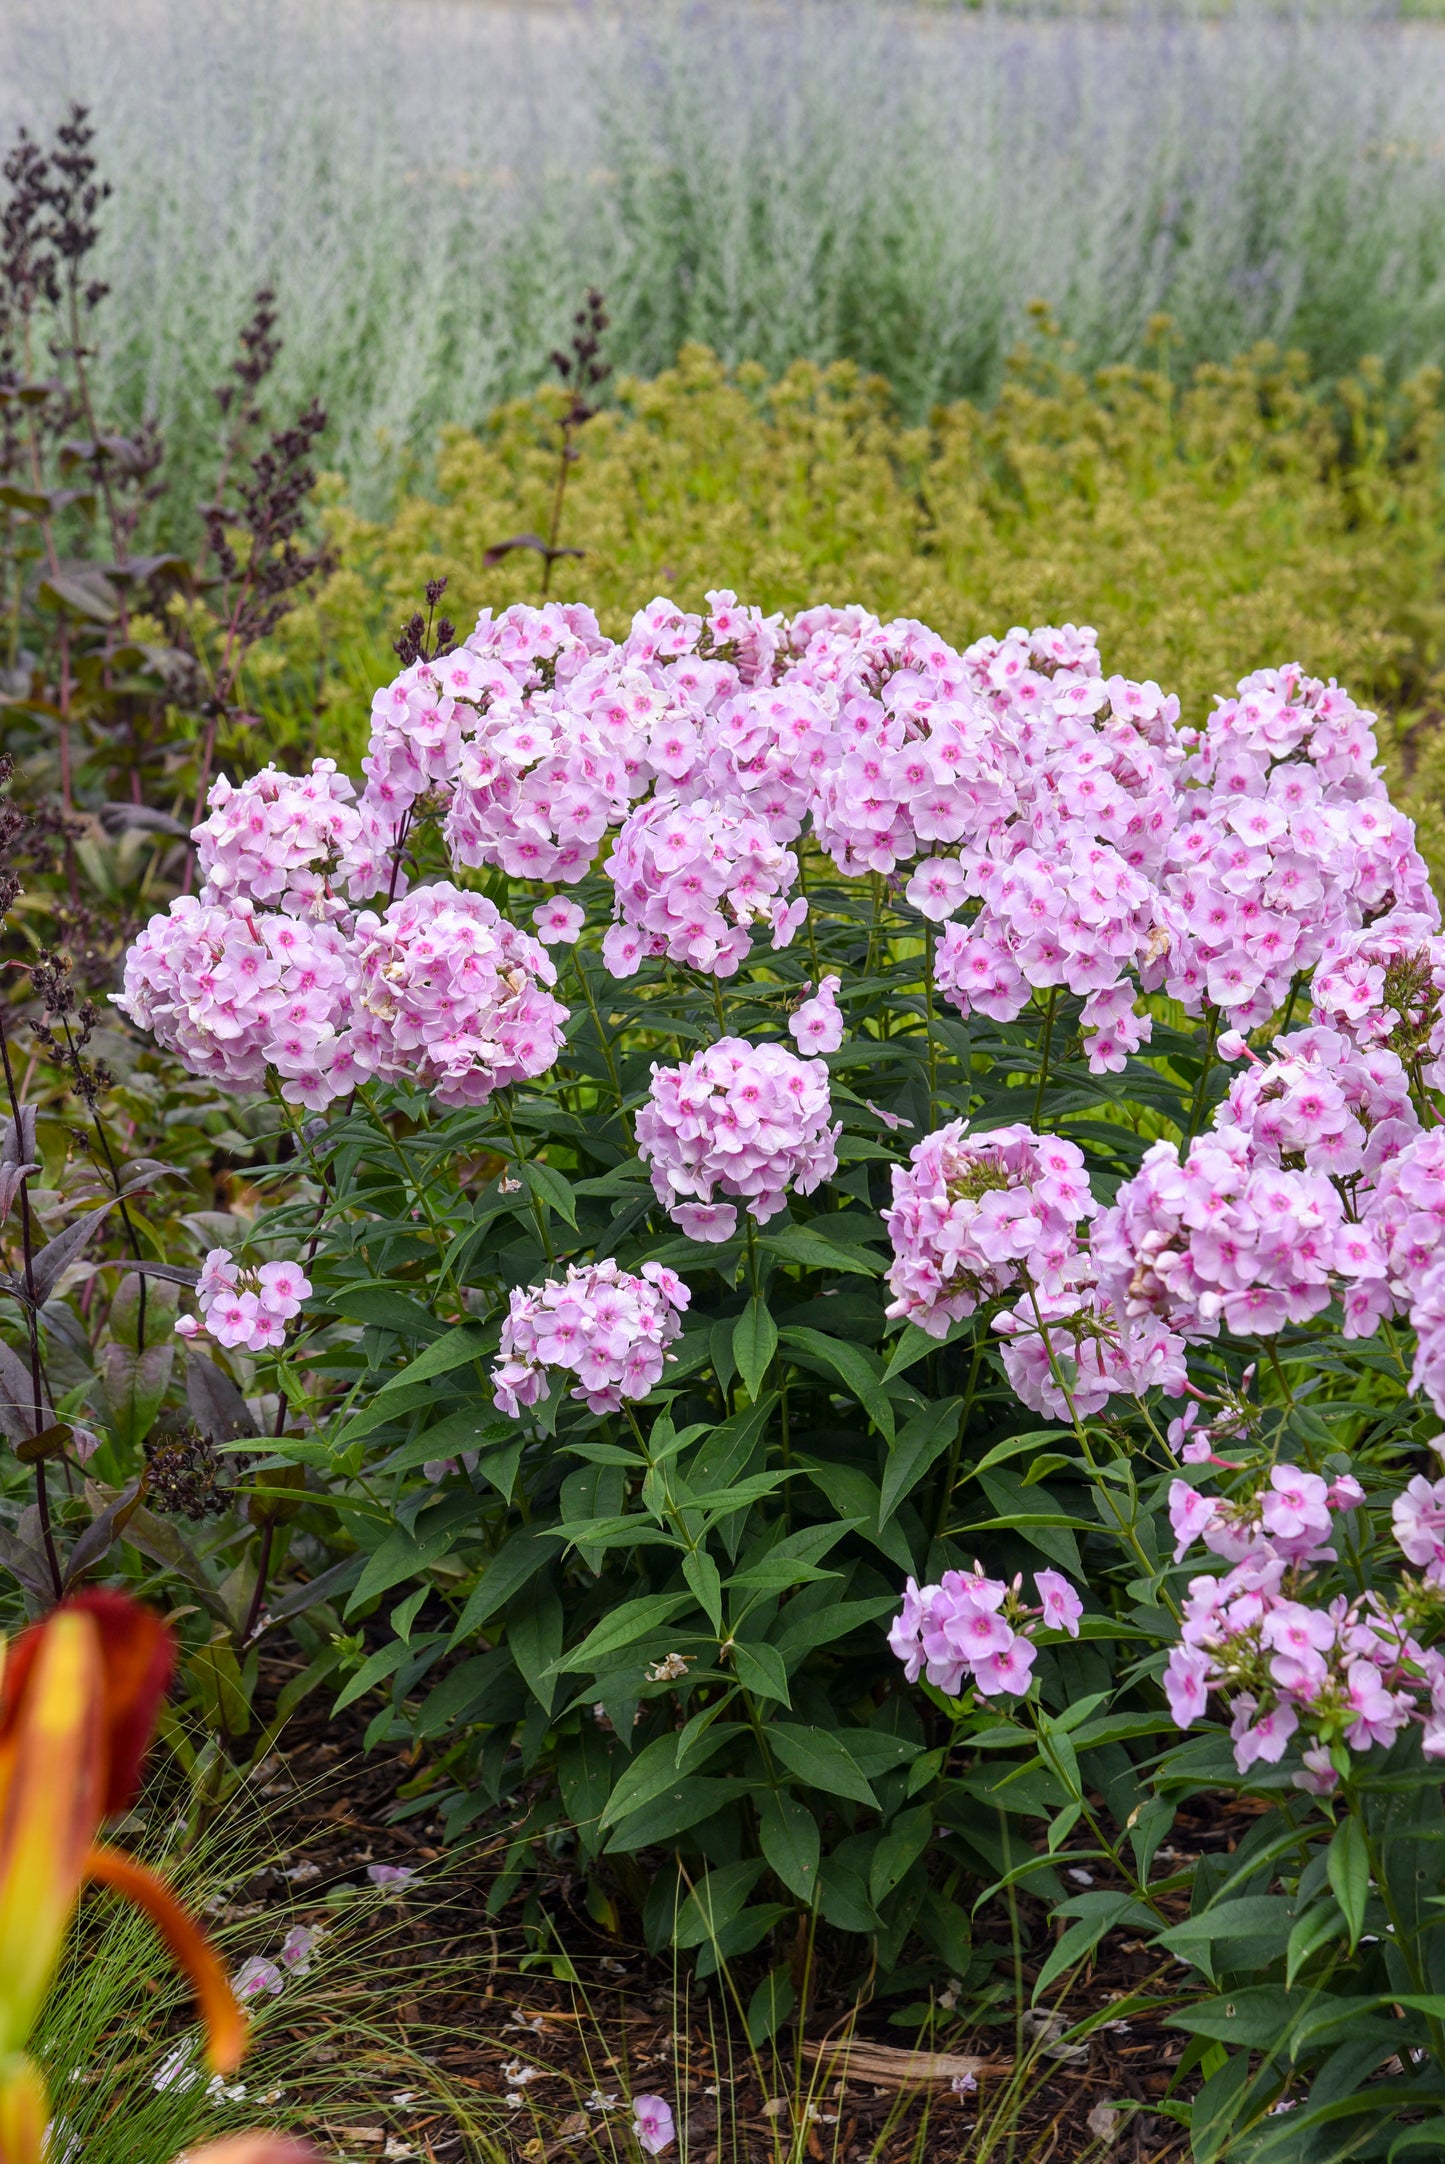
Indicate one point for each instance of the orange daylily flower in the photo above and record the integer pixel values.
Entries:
(79, 1696)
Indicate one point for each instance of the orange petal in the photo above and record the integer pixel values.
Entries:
(52, 1767)
(224, 2021)
(137, 1653)
(250, 2149)
(23, 2113)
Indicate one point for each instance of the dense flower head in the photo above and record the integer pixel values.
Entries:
(1346, 1672)
(691, 881)
(282, 841)
(1288, 840)
(245, 1309)
(740, 1120)
(235, 992)
(1223, 1236)
(1066, 1352)
(449, 994)
(1381, 988)
(977, 1629)
(1076, 918)
(973, 1215)
(1406, 1214)
(1319, 1102)
(600, 1323)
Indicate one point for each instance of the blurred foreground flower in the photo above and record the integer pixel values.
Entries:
(79, 1696)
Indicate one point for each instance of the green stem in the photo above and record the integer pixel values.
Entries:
(538, 1213)
(1044, 1058)
(1196, 1108)
(956, 1449)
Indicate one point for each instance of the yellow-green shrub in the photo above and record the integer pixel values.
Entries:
(1205, 529)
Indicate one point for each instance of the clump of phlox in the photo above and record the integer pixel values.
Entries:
(742, 1121)
(1319, 1102)
(1066, 1352)
(603, 1325)
(974, 1215)
(245, 1310)
(970, 1628)
(1288, 838)
(452, 996)
(1381, 987)
(1226, 1236)
(238, 993)
(691, 881)
(281, 841)
(1344, 1674)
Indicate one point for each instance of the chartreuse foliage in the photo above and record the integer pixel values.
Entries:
(1206, 524)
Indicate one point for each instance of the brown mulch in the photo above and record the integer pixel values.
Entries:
(450, 1998)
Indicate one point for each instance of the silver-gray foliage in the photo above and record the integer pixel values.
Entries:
(430, 186)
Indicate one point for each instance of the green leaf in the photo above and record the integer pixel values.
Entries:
(770, 2005)
(654, 1771)
(1315, 1929)
(819, 1759)
(373, 1671)
(701, 1573)
(382, 1307)
(760, 1668)
(925, 1437)
(550, 1187)
(900, 1848)
(1097, 1914)
(854, 1367)
(514, 1564)
(755, 1340)
(460, 1345)
(915, 1345)
(1017, 1507)
(633, 1620)
(1347, 1863)
(805, 1244)
(682, 1804)
(401, 1555)
(788, 1835)
(534, 1639)
(714, 1901)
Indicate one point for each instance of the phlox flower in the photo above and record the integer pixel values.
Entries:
(972, 1215)
(603, 1325)
(245, 1309)
(558, 922)
(745, 1121)
(652, 2123)
(690, 882)
(237, 993)
(818, 1024)
(452, 996)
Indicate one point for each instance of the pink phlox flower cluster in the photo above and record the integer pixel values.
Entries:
(233, 992)
(746, 1121)
(1319, 1102)
(1405, 1214)
(1381, 987)
(603, 1325)
(818, 1024)
(1418, 1516)
(1350, 1671)
(1289, 839)
(917, 767)
(973, 1628)
(449, 994)
(1290, 1518)
(1223, 1236)
(690, 882)
(1076, 919)
(245, 1310)
(1097, 1357)
(281, 841)
(973, 1215)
